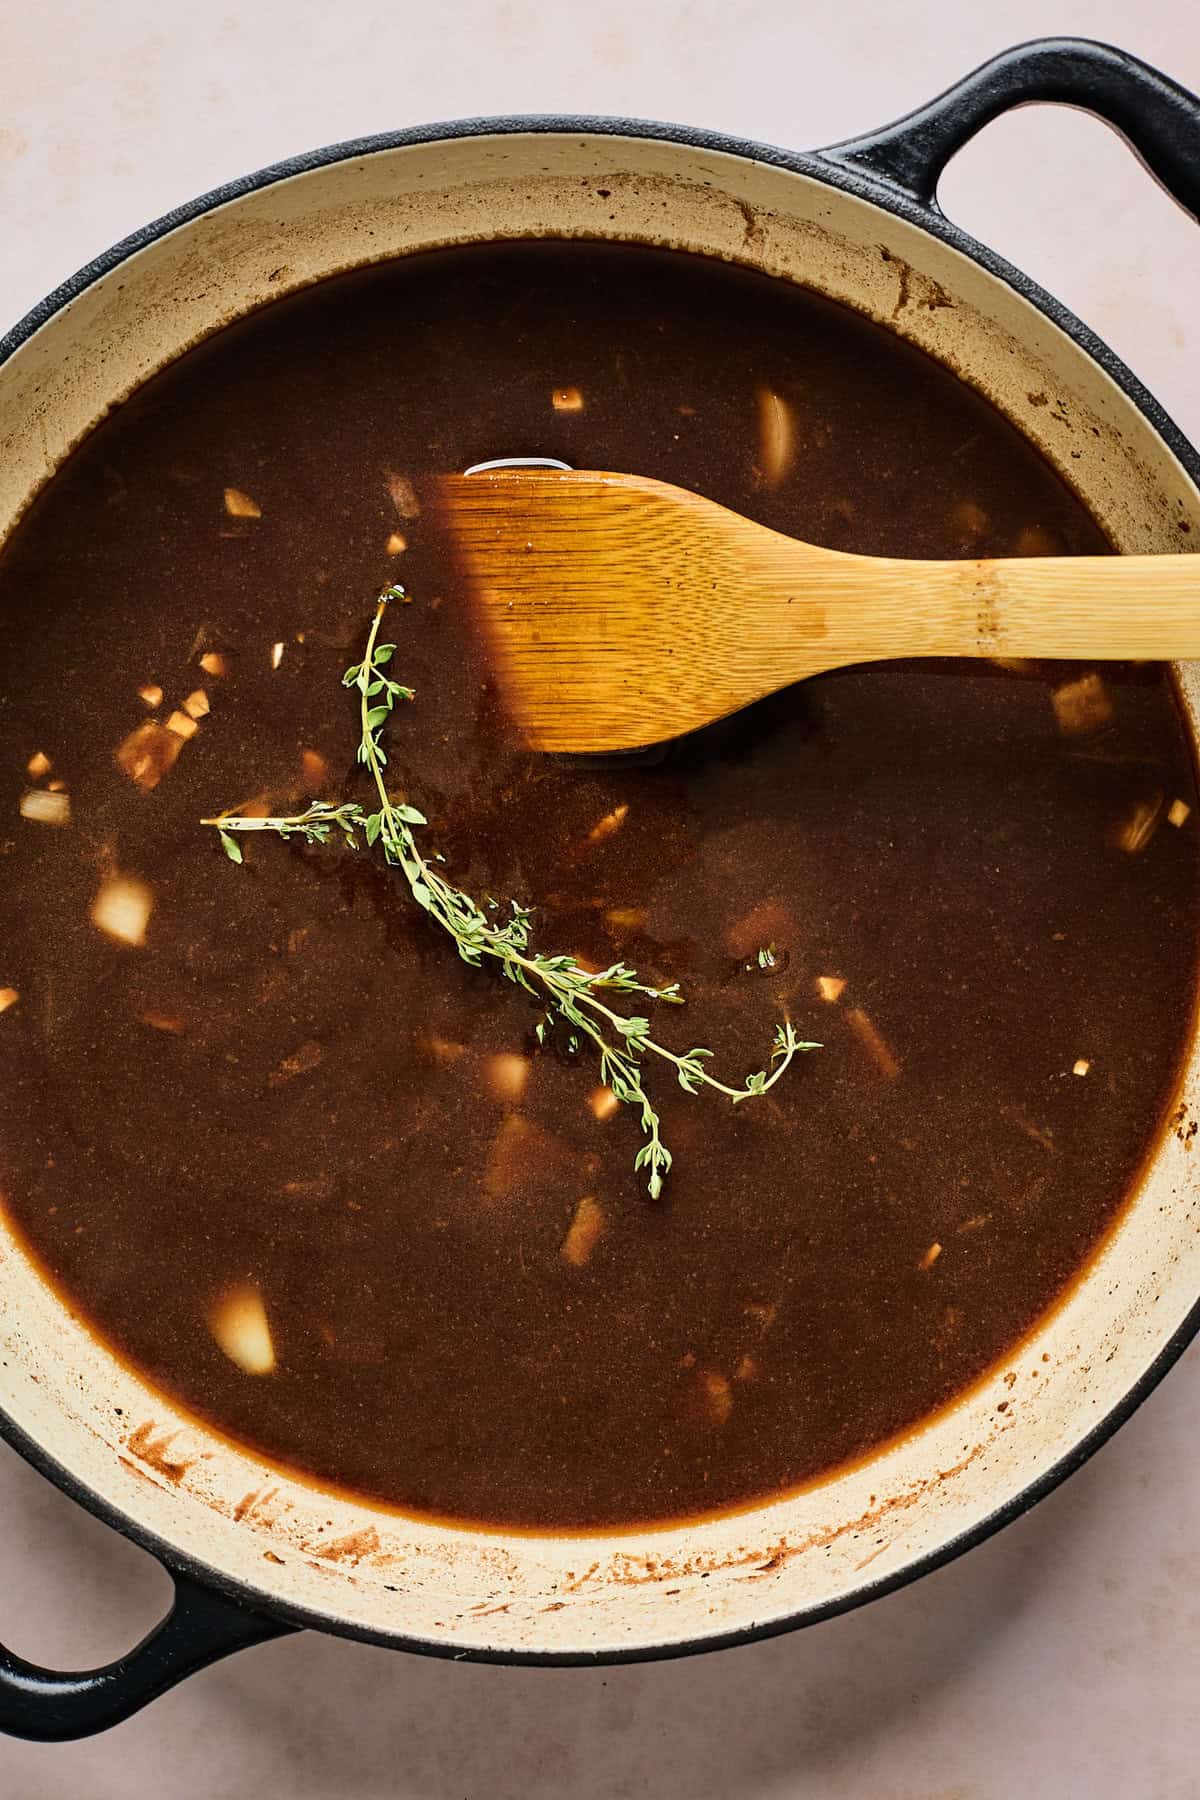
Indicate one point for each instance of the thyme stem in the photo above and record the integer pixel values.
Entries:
(573, 992)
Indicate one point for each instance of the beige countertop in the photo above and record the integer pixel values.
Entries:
(1059, 1659)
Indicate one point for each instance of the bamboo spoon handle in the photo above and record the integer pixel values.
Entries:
(1145, 607)
(621, 611)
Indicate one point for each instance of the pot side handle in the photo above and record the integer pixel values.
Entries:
(201, 1627)
(1158, 119)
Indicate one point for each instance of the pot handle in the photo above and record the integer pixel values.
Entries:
(201, 1627)
(1157, 118)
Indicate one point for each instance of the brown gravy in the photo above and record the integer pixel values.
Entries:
(285, 1091)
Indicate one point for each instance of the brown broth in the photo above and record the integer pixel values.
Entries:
(286, 1087)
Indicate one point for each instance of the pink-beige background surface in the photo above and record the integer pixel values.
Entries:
(1060, 1658)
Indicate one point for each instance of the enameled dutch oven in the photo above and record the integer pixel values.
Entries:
(254, 1553)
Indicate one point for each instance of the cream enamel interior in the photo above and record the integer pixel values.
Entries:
(349, 1563)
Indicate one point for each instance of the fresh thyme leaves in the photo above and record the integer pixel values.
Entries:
(573, 996)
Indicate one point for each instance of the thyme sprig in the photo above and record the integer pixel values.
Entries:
(572, 994)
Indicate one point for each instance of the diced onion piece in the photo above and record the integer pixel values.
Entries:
(873, 1042)
(776, 436)
(148, 752)
(1037, 1134)
(38, 765)
(196, 705)
(302, 1061)
(1177, 812)
(584, 1233)
(1082, 706)
(403, 494)
(57, 787)
(603, 1102)
(831, 987)
(567, 399)
(444, 1049)
(241, 506)
(314, 771)
(45, 808)
(626, 918)
(238, 1322)
(969, 517)
(747, 1369)
(1081, 1067)
(506, 1158)
(162, 1022)
(763, 1312)
(276, 654)
(769, 921)
(1037, 540)
(213, 663)
(122, 909)
(506, 1075)
(716, 1396)
(152, 694)
(182, 725)
(521, 1152)
(930, 1256)
(604, 828)
(396, 543)
(8, 997)
(1138, 827)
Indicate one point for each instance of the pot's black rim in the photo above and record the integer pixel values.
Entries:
(834, 172)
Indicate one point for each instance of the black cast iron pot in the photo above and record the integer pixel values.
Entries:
(255, 1554)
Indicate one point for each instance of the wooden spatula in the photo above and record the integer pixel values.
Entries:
(622, 611)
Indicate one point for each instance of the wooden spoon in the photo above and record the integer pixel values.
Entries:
(622, 611)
